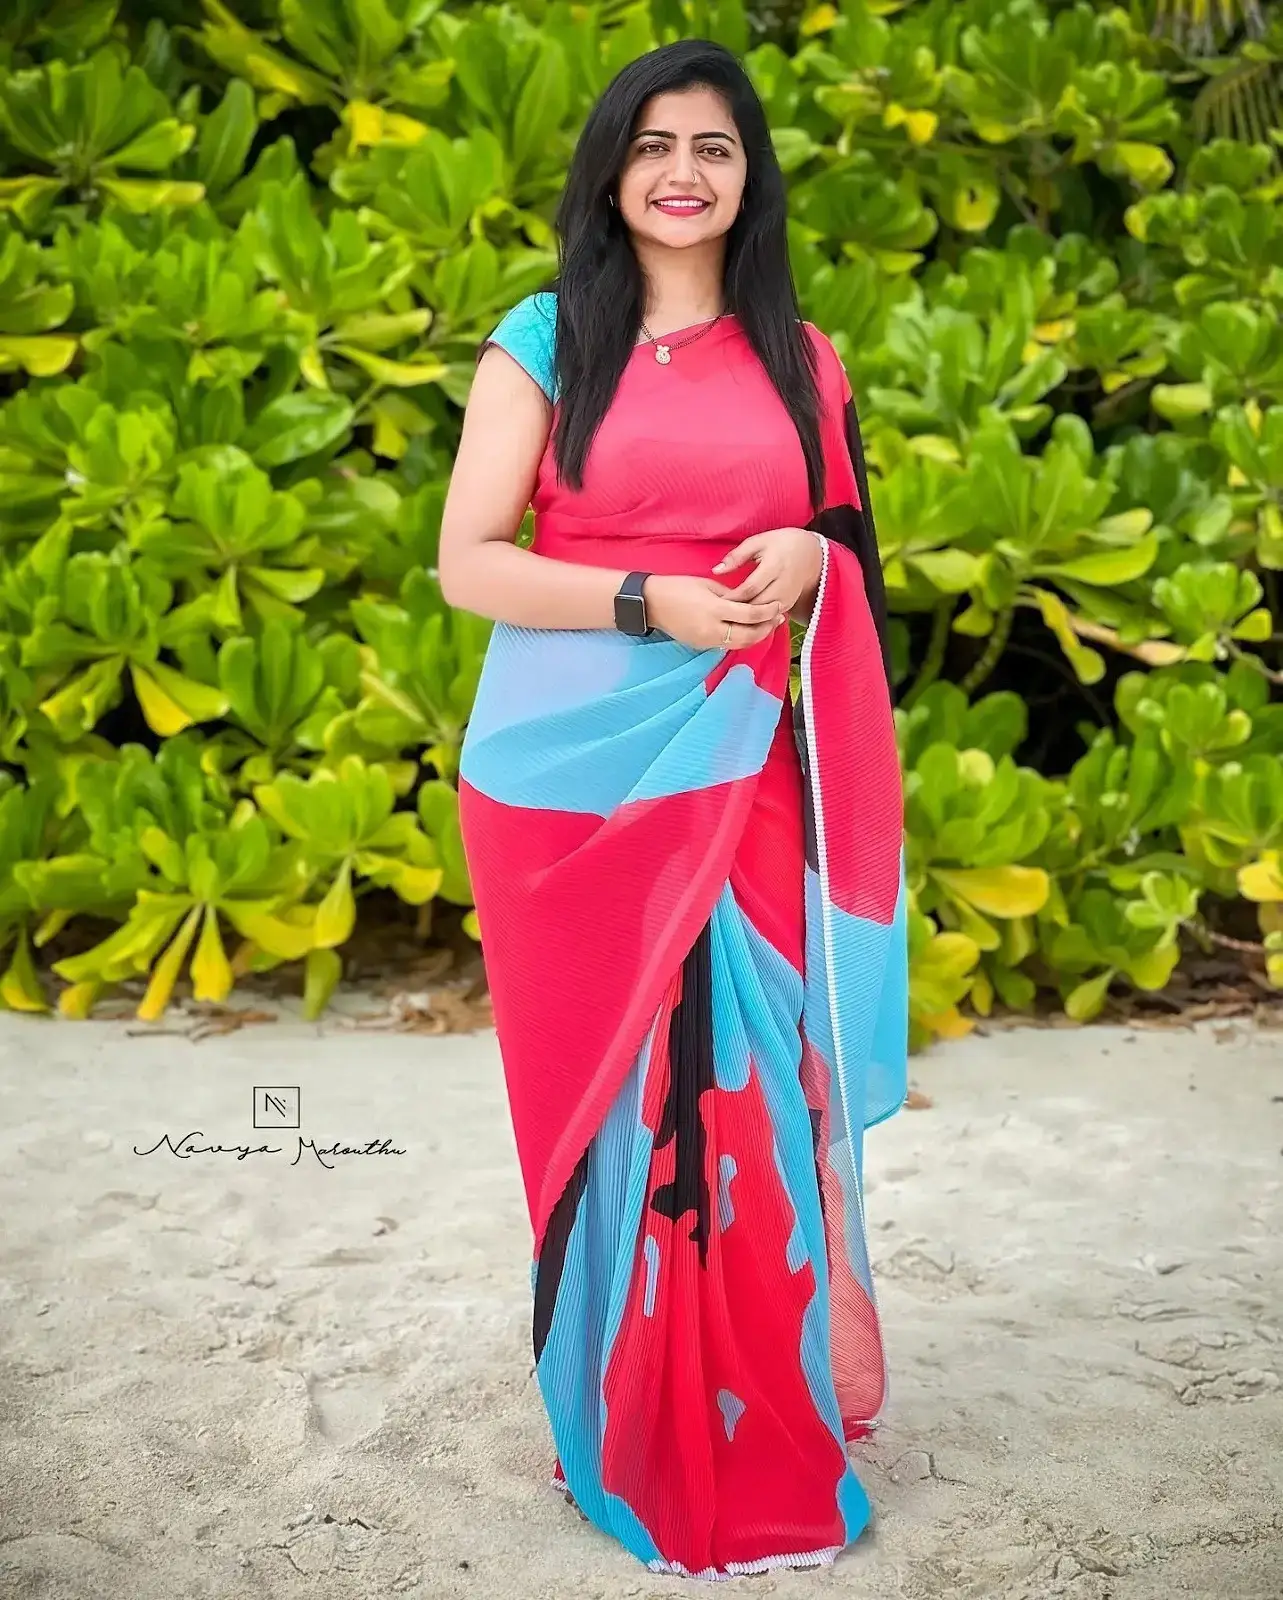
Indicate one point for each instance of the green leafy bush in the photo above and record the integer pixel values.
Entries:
(246, 254)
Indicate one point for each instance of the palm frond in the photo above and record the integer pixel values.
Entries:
(1244, 101)
(1203, 25)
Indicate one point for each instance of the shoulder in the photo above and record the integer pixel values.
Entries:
(536, 314)
(528, 333)
(832, 368)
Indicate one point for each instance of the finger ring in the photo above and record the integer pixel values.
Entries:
(727, 639)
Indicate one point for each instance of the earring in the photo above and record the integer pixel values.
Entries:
(611, 198)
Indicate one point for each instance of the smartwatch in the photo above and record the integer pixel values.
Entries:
(630, 606)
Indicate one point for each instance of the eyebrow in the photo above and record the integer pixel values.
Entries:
(666, 133)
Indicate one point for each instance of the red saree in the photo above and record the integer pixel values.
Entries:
(691, 903)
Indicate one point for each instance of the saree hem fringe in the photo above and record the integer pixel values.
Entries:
(740, 1569)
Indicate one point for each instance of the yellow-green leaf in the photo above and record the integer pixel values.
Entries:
(396, 374)
(818, 20)
(165, 972)
(388, 441)
(141, 195)
(312, 367)
(997, 891)
(935, 447)
(1154, 969)
(975, 926)
(1088, 664)
(471, 926)
(77, 1000)
(20, 988)
(981, 995)
(201, 701)
(42, 355)
(417, 885)
(376, 330)
(164, 716)
(1256, 627)
(919, 124)
(321, 974)
(1262, 880)
(1106, 568)
(1018, 940)
(950, 1024)
(1088, 999)
(1126, 525)
(371, 125)
(1178, 402)
(972, 205)
(211, 970)
(27, 197)
(281, 939)
(949, 955)
(951, 571)
(53, 924)
(1149, 165)
(336, 914)
(243, 52)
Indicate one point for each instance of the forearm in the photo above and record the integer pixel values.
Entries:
(500, 580)
(801, 610)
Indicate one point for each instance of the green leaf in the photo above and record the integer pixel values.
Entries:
(322, 972)
(297, 425)
(156, 148)
(951, 571)
(1087, 1000)
(1179, 402)
(225, 138)
(542, 105)
(1108, 568)
(29, 198)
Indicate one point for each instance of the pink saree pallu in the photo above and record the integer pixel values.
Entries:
(691, 903)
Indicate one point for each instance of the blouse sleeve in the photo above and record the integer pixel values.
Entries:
(528, 334)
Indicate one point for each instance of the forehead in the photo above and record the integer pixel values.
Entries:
(686, 111)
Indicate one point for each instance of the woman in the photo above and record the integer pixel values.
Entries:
(690, 894)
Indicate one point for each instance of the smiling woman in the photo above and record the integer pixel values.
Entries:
(690, 891)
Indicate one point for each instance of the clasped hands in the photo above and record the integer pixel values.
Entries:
(705, 613)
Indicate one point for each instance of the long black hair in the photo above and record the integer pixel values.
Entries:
(600, 289)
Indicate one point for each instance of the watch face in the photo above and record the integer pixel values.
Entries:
(630, 613)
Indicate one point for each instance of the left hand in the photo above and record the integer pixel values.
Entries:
(787, 572)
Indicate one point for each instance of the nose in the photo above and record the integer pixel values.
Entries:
(684, 168)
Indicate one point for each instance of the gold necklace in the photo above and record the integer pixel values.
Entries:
(664, 351)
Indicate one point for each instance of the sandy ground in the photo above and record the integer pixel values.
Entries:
(261, 1377)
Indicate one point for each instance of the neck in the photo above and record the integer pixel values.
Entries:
(682, 286)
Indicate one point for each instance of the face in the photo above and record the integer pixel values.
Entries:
(685, 148)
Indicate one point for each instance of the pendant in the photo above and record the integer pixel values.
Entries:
(663, 354)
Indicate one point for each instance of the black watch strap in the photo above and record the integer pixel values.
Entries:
(630, 605)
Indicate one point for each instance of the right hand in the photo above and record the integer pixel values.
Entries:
(696, 612)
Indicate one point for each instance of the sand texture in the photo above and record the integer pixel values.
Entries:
(222, 1379)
